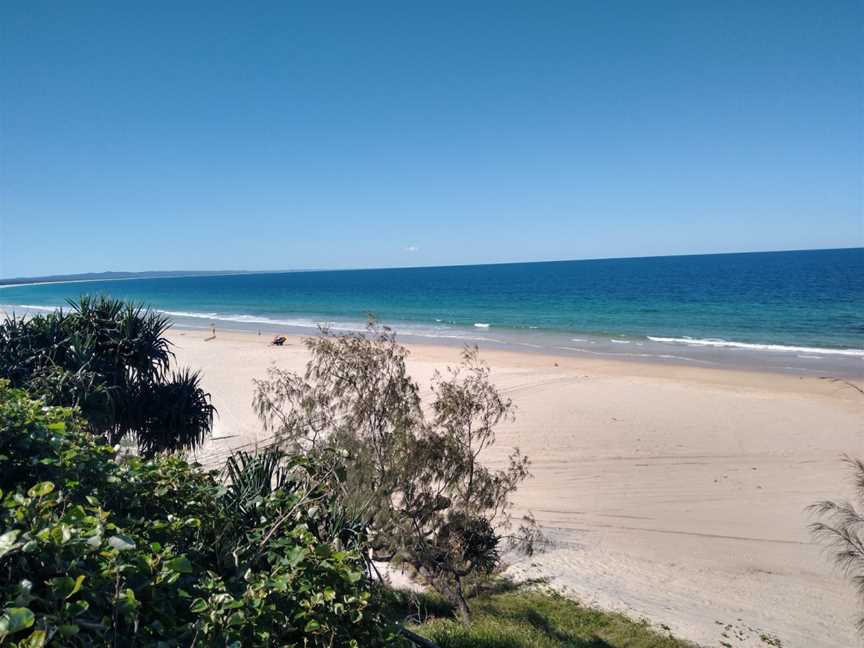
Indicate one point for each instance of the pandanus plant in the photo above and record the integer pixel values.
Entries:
(111, 359)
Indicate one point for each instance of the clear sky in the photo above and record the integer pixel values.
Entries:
(275, 135)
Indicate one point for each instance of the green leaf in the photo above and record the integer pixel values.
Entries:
(353, 576)
(198, 605)
(61, 534)
(62, 586)
(311, 626)
(15, 619)
(75, 513)
(7, 541)
(36, 640)
(295, 555)
(180, 564)
(41, 489)
(77, 587)
(121, 542)
(77, 607)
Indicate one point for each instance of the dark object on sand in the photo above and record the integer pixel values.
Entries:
(279, 340)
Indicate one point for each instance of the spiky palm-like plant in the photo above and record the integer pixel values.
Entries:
(841, 528)
(111, 359)
(174, 414)
(252, 476)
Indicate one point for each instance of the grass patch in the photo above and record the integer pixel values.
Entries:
(510, 617)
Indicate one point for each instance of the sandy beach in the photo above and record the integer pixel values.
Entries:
(670, 493)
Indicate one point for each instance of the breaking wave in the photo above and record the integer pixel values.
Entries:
(856, 353)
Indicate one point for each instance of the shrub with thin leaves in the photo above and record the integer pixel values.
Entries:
(415, 476)
(841, 529)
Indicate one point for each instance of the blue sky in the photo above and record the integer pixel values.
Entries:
(139, 136)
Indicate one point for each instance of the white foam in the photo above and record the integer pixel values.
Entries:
(12, 307)
(246, 319)
(614, 341)
(191, 314)
(345, 327)
(417, 330)
(482, 325)
(857, 353)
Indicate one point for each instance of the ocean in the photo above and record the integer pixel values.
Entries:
(796, 311)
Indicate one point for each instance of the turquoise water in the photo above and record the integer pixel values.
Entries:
(809, 302)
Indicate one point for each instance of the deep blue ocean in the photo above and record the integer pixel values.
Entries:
(808, 303)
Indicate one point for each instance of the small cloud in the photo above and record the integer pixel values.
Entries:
(412, 248)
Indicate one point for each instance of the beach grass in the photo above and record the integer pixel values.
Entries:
(522, 617)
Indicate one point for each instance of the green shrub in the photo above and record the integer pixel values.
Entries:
(94, 550)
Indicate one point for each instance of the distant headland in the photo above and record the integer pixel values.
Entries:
(109, 276)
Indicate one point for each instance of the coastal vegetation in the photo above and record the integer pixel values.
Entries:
(111, 360)
(157, 552)
(277, 547)
(414, 482)
(841, 528)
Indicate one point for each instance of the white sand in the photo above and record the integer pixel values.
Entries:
(672, 493)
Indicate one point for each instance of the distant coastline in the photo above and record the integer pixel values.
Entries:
(110, 275)
(118, 276)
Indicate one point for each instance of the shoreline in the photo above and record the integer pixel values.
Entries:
(693, 354)
(424, 350)
(846, 363)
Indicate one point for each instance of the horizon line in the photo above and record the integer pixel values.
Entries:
(85, 277)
